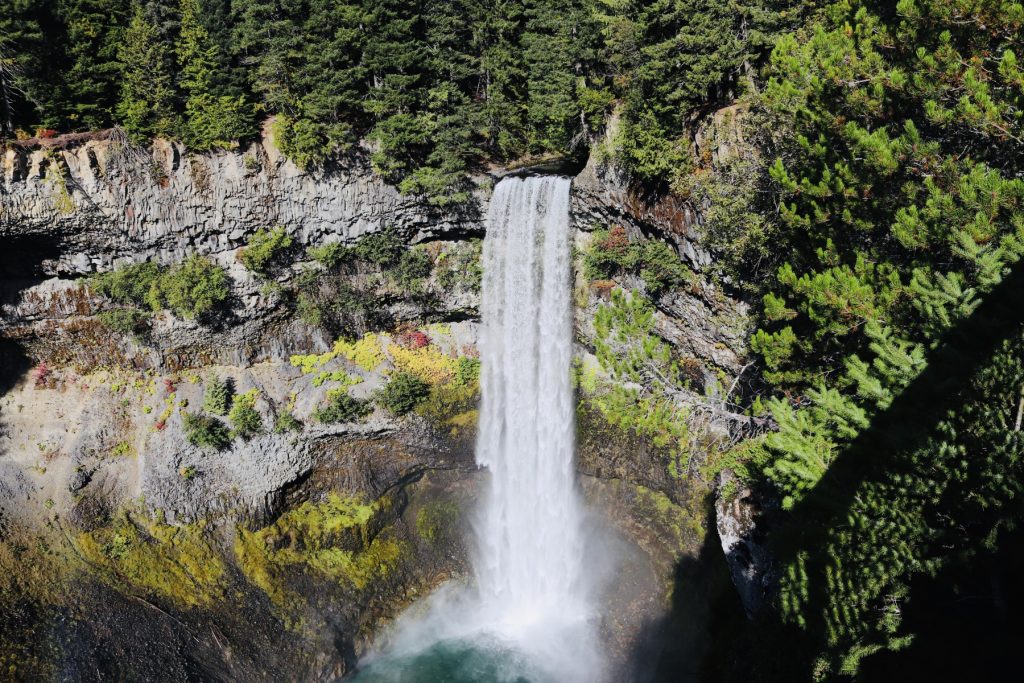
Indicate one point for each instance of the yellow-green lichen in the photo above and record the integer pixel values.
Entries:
(332, 538)
(174, 562)
(435, 520)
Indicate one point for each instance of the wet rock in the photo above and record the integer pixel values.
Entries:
(736, 517)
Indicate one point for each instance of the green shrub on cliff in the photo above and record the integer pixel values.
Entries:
(263, 248)
(191, 290)
(124, 320)
(128, 284)
(245, 421)
(612, 253)
(402, 393)
(341, 407)
(206, 432)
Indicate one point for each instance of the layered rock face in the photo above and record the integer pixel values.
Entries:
(319, 531)
(102, 201)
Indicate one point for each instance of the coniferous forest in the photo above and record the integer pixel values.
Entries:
(873, 221)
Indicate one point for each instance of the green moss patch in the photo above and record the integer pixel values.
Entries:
(436, 520)
(173, 562)
(334, 538)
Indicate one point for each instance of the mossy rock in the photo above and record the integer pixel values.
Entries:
(174, 562)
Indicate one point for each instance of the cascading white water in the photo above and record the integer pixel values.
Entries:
(529, 617)
(530, 541)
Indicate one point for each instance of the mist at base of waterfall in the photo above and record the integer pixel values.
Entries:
(455, 661)
(454, 637)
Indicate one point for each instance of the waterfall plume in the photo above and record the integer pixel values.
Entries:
(528, 617)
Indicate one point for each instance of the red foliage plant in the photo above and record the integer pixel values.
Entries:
(45, 133)
(412, 339)
(40, 373)
(160, 425)
(169, 385)
(616, 242)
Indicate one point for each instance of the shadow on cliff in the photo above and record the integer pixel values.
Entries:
(960, 617)
(703, 604)
(21, 261)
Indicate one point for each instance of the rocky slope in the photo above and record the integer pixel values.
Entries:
(279, 555)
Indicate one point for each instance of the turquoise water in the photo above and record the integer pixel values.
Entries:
(452, 662)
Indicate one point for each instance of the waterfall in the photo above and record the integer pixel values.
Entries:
(529, 617)
(529, 554)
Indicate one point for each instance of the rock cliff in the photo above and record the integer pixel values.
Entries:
(320, 529)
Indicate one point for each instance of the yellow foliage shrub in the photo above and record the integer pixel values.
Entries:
(427, 363)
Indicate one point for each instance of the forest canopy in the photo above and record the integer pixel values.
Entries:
(434, 87)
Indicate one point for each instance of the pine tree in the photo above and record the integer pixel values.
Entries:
(216, 396)
(145, 107)
(95, 32)
(210, 120)
(30, 64)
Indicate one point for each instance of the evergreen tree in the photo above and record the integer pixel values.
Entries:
(210, 120)
(95, 32)
(145, 107)
(30, 64)
(216, 396)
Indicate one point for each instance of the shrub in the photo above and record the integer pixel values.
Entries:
(657, 263)
(263, 248)
(661, 268)
(310, 143)
(216, 396)
(191, 289)
(413, 266)
(129, 284)
(287, 422)
(402, 393)
(341, 407)
(245, 421)
(40, 373)
(330, 255)
(206, 432)
(383, 248)
(460, 266)
(411, 338)
(124, 320)
(467, 370)
(331, 301)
